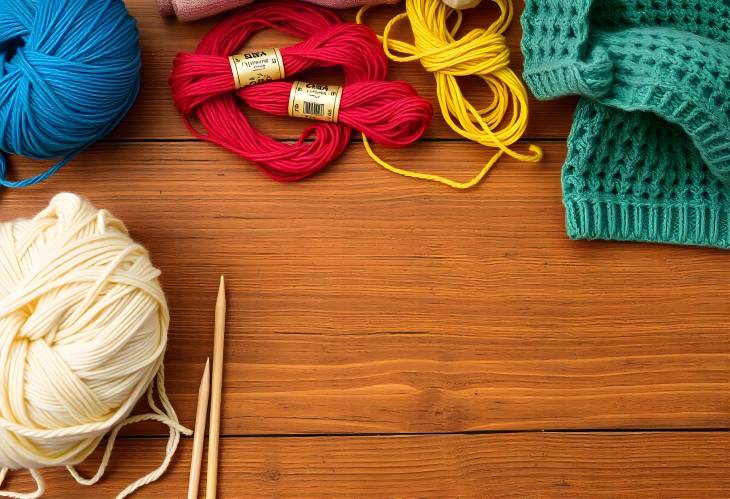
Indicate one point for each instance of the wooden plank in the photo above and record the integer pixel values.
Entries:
(362, 301)
(155, 116)
(692, 465)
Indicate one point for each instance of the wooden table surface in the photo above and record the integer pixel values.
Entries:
(395, 338)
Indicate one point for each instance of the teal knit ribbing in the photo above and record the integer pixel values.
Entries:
(649, 152)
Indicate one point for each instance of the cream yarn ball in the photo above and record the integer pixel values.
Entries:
(83, 331)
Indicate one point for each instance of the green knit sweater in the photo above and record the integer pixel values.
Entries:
(649, 151)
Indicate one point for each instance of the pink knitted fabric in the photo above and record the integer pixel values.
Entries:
(191, 10)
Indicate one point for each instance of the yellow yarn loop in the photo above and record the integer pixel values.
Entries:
(480, 52)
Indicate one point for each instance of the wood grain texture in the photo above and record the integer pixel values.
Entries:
(366, 304)
(154, 115)
(436, 466)
(361, 301)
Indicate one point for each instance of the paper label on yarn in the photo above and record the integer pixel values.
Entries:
(256, 66)
(314, 101)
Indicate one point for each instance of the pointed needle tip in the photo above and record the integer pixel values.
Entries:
(222, 289)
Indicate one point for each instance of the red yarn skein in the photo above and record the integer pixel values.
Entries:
(390, 113)
(366, 106)
(200, 76)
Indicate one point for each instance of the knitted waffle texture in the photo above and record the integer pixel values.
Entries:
(649, 150)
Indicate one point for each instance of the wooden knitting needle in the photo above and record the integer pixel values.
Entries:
(199, 438)
(216, 390)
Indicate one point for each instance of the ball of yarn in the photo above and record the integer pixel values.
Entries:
(69, 72)
(83, 331)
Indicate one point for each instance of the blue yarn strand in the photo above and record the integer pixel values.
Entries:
(69, 72)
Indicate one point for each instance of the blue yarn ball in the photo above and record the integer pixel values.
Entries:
(69, 72)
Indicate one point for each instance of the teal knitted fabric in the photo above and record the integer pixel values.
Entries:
(649, 151)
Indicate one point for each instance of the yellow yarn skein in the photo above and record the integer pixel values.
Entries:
(83, 332)
(480, 52)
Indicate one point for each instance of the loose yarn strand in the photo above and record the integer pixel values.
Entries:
(167, 417)
(431, 176)
(39, 491)
(480, 52)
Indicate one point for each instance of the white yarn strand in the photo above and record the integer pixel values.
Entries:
(166, 417)
(39, 491)
(83, 332)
